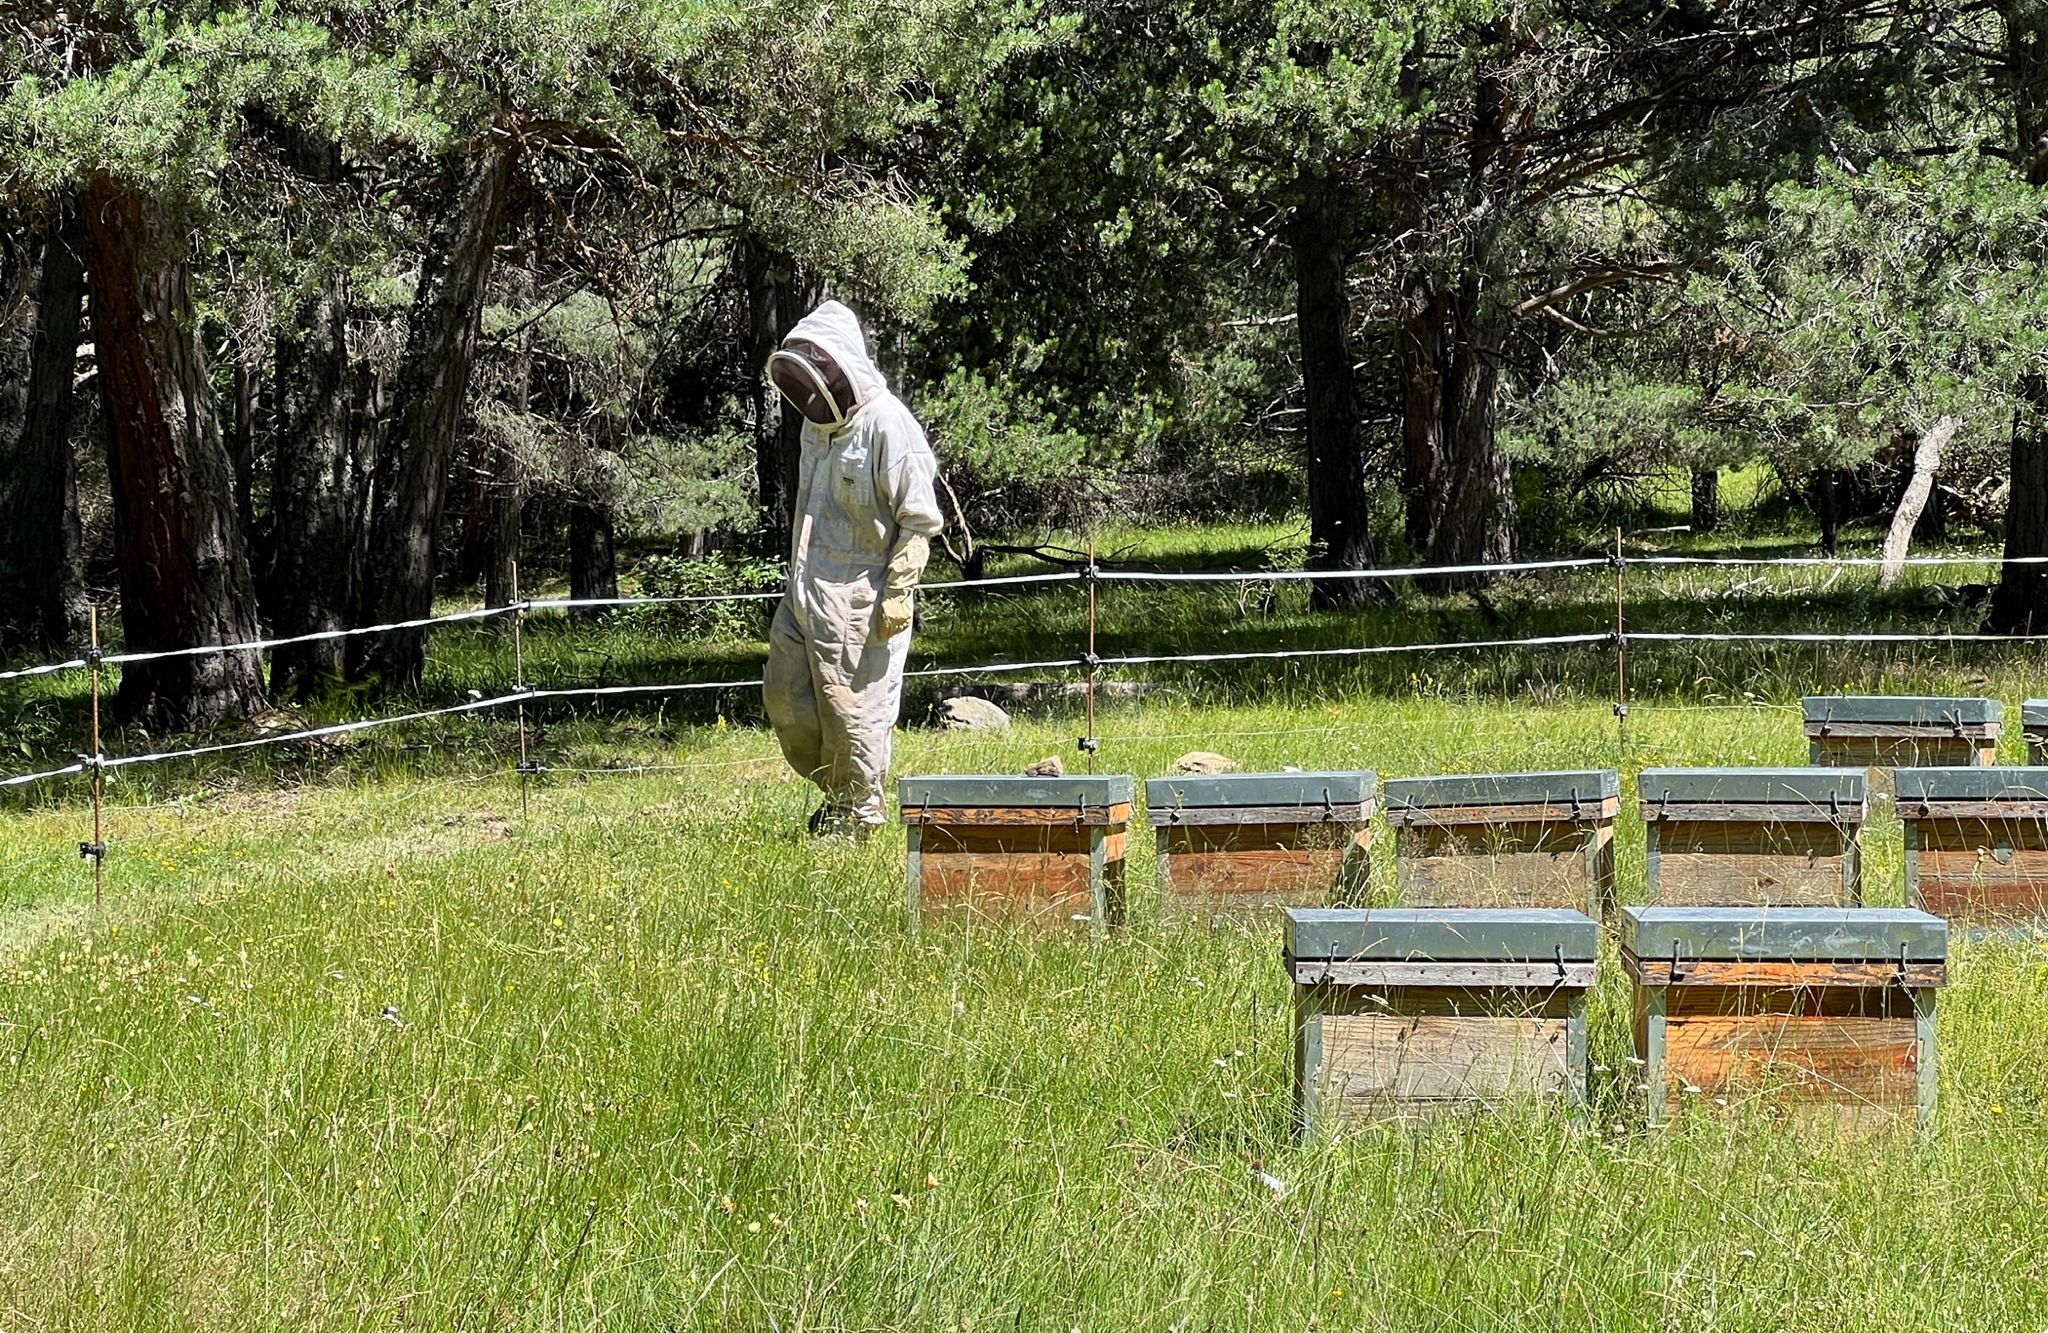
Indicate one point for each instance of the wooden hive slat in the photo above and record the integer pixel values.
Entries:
(1815, 1007)
(1722, 836)
(1404, 1014)
(1238, 845)
(1040, 850)
(1538, 839)
(1976, 843)
(1886, 732)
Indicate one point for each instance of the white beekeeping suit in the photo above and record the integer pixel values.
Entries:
(865, 513)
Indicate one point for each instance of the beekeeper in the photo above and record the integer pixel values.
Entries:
(865, 516)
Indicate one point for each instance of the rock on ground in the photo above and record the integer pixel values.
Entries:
(1048, 767)
(1204, 762)
(964, 712)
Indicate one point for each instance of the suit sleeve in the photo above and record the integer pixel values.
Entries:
(904, 471)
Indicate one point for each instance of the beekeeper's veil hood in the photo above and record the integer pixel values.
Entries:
(823, 367)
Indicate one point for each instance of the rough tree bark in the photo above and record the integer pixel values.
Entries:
(505, 496)
(313, 501)
(1706, 499)
(777, 297)
(44, 607)
(1926, 462)
(1476, 524)
(1339, 537)
(593, 563)
(1421, 359)
(185, 577)
(2020, 601)
(433, 382)
(1827, 508)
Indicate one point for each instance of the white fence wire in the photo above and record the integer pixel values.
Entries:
(1618, 638)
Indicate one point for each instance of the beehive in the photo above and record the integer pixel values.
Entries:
(1820, 1006)
(1039, 849)
(1883, 732)
(1506, 839)
(1752, 836)
(2034, 724)
(1403, 1013)
(1977, 843)
(1238, 843)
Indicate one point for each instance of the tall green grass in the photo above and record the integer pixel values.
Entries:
(374, 1051)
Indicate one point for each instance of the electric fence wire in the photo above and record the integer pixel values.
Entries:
(1019, 580)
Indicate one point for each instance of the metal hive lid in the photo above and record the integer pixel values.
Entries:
(1818, 787)
(1333, 787)
(1971, 784)
(1009, 789)
(1792, 934)
(1533, 788)
(1450, 934)
(1901, 709)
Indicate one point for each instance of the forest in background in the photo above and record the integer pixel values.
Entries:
(312, 313)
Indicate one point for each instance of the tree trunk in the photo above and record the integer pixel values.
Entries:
(184, 564)
(1827, 508)
(1706, 499)
(777, 297)
(40, 561)
(593, 564)
(1476, 525)
(2020, 601)
(242, 439)
(313, 500)
(1926, 461)
(1339, 536)
(505, 497)
(433, 383)
(1421, 360)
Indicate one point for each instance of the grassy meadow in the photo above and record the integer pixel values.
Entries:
(352, 1043)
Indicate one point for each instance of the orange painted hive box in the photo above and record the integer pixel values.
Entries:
(1047, 850)
(1977, 843)
(1786, 1007)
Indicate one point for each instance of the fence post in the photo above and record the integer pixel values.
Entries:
(96, 850)
(525, 767)
(1090, 743)
(1620, 649)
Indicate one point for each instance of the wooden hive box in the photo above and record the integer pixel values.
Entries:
(999, 846)
(2034, 725)
(1883, 732)
(1236, 844)
(1506, 839)
(1821, 1006)
(1402, 1013)
(1753, 836)
(1977, 843)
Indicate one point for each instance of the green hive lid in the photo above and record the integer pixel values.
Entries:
(1972, 784)
(1314, 790)
(1589, 785)
(1820, 787)
(1447, 934)
(1901, 709)
(1009, 789)
(1791, 934)
(2034, 713)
